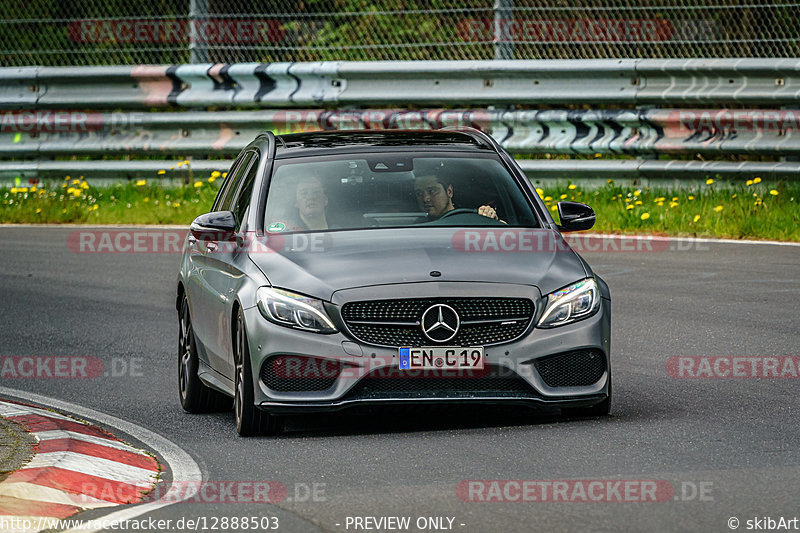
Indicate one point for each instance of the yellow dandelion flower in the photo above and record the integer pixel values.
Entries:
(180, 163)
(691, 197)
(659, 199)
(211, 179)
(75, 182)
(756, 180)
(629, 207)
(141, 183)
(773, 192)
(84, 185)
(146, 200)
(176, 204)
(734, 196)
(563, 196)
(540, 192)
(674, 198)
(673, 204)
(637, 192)
(224, 174)
(645, 216)
(198, 184)
(95, 207)
(548, 198)
(638, 202)
(718, 208)
(709, 181)
(76, 193)
(215, 174)
(70, 190)
(572, 187)
(38, 211)
(66, 178)
(748, 182)
(659, 204)
(598, 155)
(609, 181)
(33, 189)
(187, 162)
(162, 171)
(696, 218)
(553, 207)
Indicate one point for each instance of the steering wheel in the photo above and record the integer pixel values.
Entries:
(459, 211)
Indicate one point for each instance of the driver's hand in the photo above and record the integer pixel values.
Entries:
(487, 211)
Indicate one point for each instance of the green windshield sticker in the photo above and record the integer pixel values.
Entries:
(276, 227)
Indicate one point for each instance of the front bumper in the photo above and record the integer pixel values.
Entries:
(516, 359)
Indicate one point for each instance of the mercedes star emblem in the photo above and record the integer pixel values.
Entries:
(440, 323)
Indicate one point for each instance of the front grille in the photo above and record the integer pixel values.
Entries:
(291, 373)
(572, 369)
(484, 321)
(494, 381)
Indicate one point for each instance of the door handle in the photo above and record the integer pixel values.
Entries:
(211, 247)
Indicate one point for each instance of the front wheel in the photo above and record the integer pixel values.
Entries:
(195, 396)
(250, 420)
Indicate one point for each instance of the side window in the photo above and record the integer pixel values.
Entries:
(245, 192)
(226, 195)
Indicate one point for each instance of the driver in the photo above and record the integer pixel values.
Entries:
(436, 197)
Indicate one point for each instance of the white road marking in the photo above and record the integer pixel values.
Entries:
(184, 469)
(56, 434)
(96, 466)
(40, 493)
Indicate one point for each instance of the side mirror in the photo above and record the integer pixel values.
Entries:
(575, 216)
(216, 226)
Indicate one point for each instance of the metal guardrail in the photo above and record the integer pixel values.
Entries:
(459, 83)
(193, 133)
(574, 169)
(44, 131)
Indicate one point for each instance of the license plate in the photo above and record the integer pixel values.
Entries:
(441, 357)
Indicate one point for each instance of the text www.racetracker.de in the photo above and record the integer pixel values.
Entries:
(200, 523)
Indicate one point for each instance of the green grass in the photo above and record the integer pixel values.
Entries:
(75, 201)
(757, 211)
(725, 210)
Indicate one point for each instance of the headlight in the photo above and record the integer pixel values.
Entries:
(570, 304)
(294, 310)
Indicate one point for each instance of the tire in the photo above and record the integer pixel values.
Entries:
(195, 396)
(250, 420)
(601, 409)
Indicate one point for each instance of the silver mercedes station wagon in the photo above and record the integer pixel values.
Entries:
(348, 268)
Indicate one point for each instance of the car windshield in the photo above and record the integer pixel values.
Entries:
(393, 190)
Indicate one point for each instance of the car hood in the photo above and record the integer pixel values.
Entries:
(319, 264)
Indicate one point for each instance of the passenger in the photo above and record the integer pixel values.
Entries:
(311, 202)
(435, 197)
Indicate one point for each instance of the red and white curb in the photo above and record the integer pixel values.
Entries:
(76, 466)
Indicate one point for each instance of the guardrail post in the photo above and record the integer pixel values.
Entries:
(198, 11)
(503, 26)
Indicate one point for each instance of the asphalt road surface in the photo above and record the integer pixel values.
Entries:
(727, 447)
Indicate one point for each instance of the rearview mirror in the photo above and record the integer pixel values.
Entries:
(575, 216)
(216, 226)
